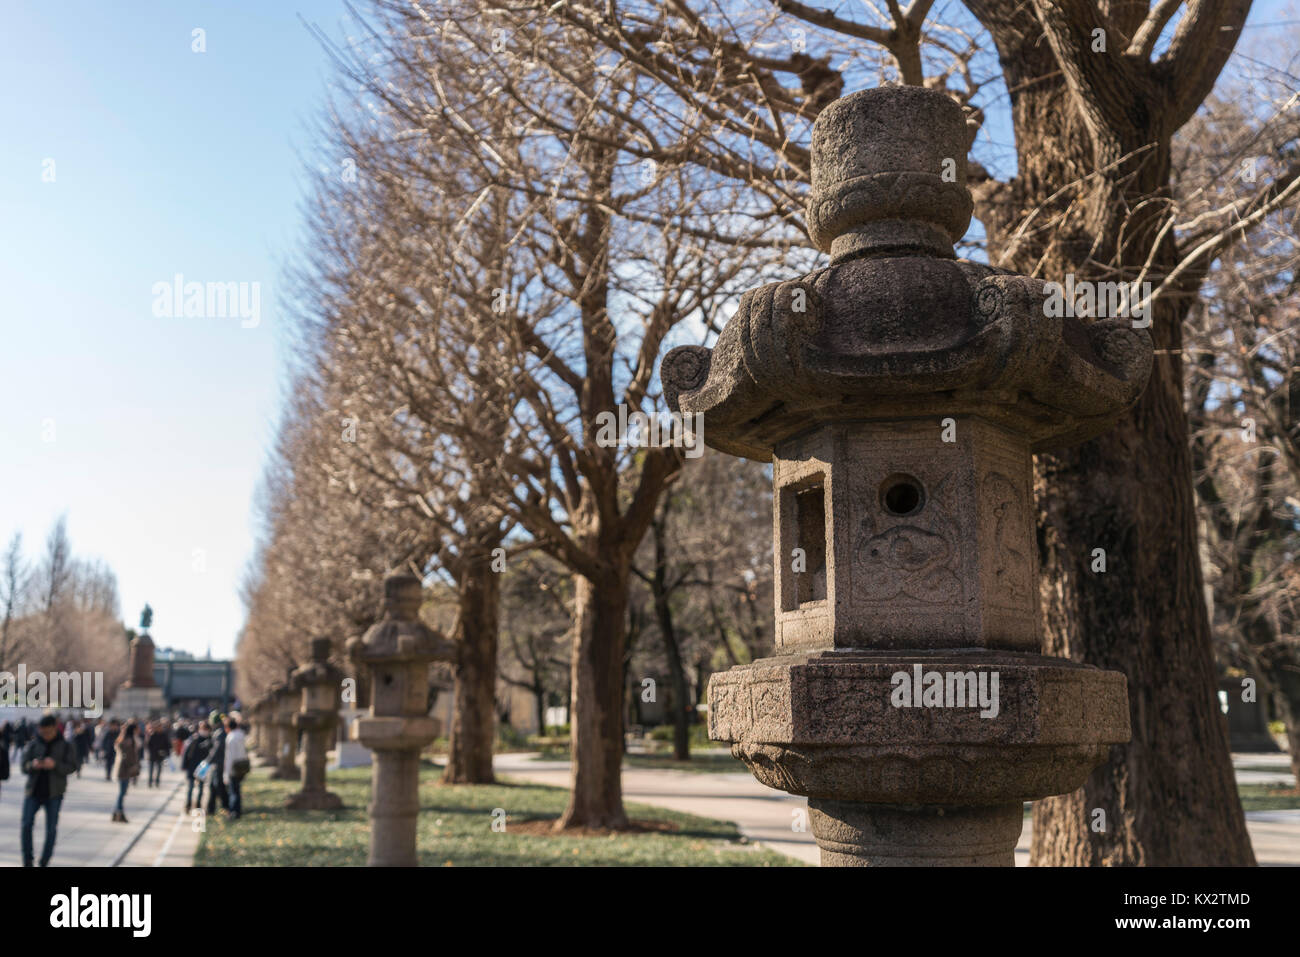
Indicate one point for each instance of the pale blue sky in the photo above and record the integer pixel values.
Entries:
(166, 161)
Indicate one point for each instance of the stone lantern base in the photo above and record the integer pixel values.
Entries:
(903, 767)
(317, 728)
(909, 835)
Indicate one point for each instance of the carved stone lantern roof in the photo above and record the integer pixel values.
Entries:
(400, 635)
(318, 671)
(896, 326)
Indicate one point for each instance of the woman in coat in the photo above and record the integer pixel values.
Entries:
(127, 749)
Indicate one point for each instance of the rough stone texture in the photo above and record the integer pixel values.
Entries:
(958, 570)
(823, 725)
(319, 684)
(268, 743)
(900, 393)
(895, 327)
(905, 835)
(397, 651)
(285, 703)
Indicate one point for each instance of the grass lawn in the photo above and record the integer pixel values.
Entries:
(1268, 797)
(699, 762)
(663, 761)
(1258, 797)
(455, 829)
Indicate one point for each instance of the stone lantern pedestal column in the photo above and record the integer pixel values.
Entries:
(319, 683)
(252, 727)
(397, 651)
(267, 744)
(900, 394)
(284, 702)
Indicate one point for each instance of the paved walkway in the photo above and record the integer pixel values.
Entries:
(161, 834)
(766, 816)
(87, 835)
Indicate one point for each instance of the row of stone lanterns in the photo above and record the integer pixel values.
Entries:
(900, 394)
(394, 655)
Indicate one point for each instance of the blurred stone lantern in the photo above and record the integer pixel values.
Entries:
(285, 703)
(251, 729)
(319, 685)
(267, 744)
(900, 393)
(397, 652)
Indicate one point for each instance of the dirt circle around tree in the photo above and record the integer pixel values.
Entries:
(545, 827)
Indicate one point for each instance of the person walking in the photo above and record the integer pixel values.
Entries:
(47, 762)
(197, 747)
(85, 743)
(107, 743)
(180, 733)
(158, 746)
(70, 735)
(237, 763)
(128, 765)
(217, 758)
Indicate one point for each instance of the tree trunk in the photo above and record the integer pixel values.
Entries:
(1169, 795)
(596, 703)
(539, 698)
(473, 715)
(664, 616)
(1282, 679)
(1290, 711)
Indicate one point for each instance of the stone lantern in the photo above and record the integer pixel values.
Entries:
(319, 684)
(397, 652)
(285, 702)
(900, 393)
(251, 728)
(267, 745)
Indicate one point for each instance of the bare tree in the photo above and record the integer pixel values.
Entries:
(14, 577)
(625, 253)
(1096, 97)
(1244, 395)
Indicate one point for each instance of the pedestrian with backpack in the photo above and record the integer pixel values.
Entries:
(197, 748)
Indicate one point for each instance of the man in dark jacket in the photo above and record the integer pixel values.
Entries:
(217, 783)
(197, 747)
(47, 762)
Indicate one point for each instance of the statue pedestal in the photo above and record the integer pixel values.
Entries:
(137, 703)
(347, 752)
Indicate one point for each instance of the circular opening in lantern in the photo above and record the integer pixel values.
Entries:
(902, 495)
